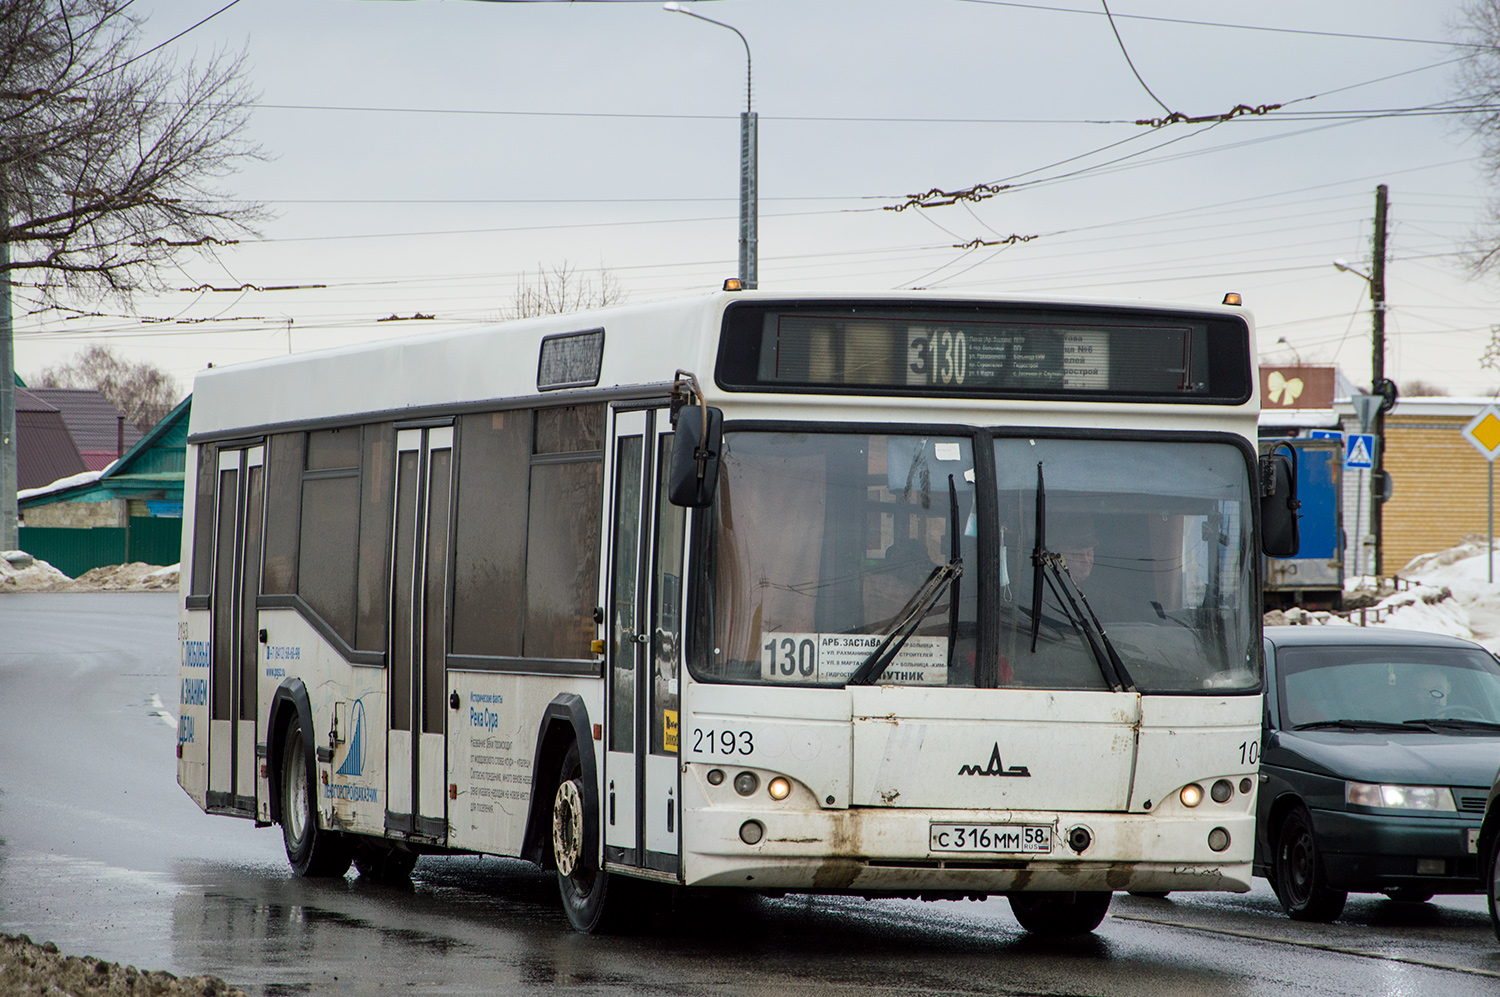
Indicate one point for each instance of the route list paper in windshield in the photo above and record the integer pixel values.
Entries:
(829, 659)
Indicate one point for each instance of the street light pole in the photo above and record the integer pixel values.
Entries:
(749, 201)
(9, 515)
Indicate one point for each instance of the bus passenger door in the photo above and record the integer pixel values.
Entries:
(416, 801)
(626, 619)
(641, 809)
(236, 646)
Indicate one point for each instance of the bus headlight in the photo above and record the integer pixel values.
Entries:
(779, 788)
(746, 783)
(1191, 795)
(1399, 797)
(1218, 839)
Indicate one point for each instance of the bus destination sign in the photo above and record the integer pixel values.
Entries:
(872, 350)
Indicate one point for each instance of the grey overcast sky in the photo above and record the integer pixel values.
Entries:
(426, 154)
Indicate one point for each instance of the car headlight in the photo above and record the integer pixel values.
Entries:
(1367, 794)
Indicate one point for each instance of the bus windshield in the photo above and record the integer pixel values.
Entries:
(821, 542)
(1152, 547)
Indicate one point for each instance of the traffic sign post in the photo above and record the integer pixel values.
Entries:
(1483, 434)
(1359, 455)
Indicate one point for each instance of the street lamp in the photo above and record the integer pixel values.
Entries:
(748, 202)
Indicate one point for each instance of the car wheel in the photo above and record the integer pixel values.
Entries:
(312, 851)
(1056, 914)
(1298, 875)
(1409, 895)
(1493, 864)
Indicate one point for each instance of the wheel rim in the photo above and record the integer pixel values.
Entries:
(1299, 867)
(296, 790)
(567, 828)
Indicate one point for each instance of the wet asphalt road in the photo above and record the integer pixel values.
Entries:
(103, 854)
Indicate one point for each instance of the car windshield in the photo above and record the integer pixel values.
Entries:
(822, 545)
(1386, 685)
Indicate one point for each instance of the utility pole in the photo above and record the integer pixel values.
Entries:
(1377, 366)
(9, 515)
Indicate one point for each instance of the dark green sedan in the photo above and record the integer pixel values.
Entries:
(1378, 752)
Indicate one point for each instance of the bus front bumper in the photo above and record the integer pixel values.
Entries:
(877, 850)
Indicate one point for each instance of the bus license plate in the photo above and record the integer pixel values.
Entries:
(1026, 839)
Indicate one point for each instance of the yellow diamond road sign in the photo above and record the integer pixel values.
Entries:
(1483, 433)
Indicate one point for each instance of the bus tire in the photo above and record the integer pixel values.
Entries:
(312, 851)
(1298, 875)
(585, 888)
(383, 863)
(1059, 914)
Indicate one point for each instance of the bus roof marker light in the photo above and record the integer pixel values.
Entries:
(1233, 298)
(733, 284)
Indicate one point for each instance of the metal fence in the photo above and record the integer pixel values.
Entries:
(152, 540)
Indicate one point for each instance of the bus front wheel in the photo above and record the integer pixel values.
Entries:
(584, 887)
(312, 851)
(1058, 914)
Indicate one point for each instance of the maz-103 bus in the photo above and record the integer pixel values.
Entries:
(913, 595)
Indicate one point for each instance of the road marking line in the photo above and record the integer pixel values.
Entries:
(1341, 950)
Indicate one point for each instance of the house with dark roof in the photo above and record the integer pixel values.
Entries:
(45, 449)
(130, 511)
(101, 432)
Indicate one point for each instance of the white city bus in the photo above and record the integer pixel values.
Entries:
(894, 594)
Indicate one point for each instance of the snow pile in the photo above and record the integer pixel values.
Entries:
(133, 577)
(20, 572)
(1446, 592)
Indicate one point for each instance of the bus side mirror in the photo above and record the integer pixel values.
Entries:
(695, 457)
(1278, 504)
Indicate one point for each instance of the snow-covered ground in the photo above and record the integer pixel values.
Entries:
(1450, 593)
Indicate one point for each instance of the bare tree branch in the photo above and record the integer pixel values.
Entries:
(143, 392)
(562, 290)
(107, 162)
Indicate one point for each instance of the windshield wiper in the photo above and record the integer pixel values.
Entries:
(1049, 565)
(926, 596)
(1350, 725)
(1454, 723)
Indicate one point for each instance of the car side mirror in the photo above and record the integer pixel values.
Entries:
(1278, 503)
(696, 445)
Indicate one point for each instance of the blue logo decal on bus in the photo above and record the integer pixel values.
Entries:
(354, 761)
(194, 692)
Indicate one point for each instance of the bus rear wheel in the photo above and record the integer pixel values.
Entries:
(1058, 914)
(382, 863)
(312, 851)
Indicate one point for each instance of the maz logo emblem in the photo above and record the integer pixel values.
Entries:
(996, 767)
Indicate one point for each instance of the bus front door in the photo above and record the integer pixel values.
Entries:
(641, 790)
(235, 660)
(416, 801)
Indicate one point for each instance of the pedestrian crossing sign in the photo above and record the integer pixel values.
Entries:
(1359, 451)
